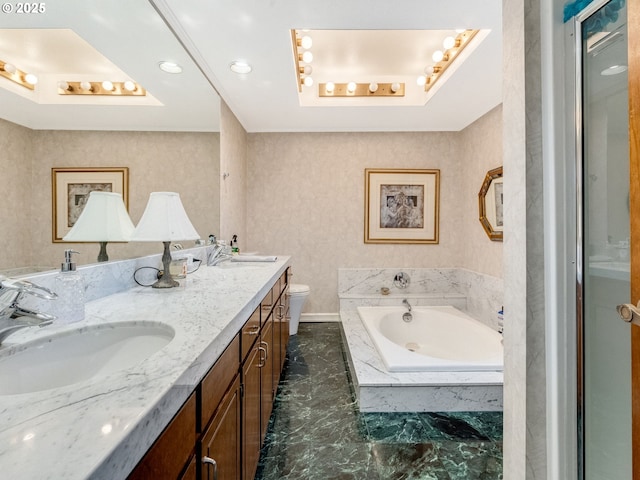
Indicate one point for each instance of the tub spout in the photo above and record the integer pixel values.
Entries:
(406, 316)
(406, 303)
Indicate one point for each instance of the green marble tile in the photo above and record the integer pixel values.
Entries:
(317, 432)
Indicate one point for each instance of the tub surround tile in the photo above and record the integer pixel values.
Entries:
(65, 425)
(477, 294)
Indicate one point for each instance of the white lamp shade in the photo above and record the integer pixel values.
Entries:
(165, 220)
(103, 219)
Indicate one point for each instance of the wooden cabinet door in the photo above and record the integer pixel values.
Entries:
(221, 442)
(171, 452)
(267, 392)
(251, 401)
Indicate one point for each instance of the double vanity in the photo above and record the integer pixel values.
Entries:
(187, 386)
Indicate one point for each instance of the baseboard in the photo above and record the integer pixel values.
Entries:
(319, 317)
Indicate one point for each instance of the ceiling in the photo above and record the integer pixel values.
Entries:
(96, 40)
(360, 40)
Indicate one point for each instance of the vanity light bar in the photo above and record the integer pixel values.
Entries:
(97, 88)
(461, 41)
(15, 75)
(362, 90)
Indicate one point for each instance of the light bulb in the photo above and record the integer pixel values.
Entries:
(437, 56)
(86, 86)
(395, 86)
(428, 71)
(307, 69)
(62, 85)
(421, 81)
(10, 68)
(308, 81)
(373, 87)
(351, 87)
(306, 42)
(31, 79)
(448, 43)
(129, 86)
(330, 87)
(307, 57)
(107, 85)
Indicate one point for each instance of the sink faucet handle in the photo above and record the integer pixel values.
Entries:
(25, 286)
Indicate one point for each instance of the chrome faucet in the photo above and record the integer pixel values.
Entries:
(218, 254)
(406, 316)
(13, 317)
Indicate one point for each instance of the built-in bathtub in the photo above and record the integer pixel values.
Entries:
(436, 339)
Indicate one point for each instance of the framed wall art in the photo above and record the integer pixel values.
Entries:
(71, 188)
(401, 206)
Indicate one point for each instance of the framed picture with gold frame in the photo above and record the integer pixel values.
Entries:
(70, 190)
(401, 205)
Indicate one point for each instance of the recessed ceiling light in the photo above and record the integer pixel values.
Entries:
(170, 67)
(240, 67)
(614, 70)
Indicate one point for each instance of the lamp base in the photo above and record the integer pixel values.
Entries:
(166, 281)
(102, 255)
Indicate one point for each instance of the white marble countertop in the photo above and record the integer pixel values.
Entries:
(102, 427)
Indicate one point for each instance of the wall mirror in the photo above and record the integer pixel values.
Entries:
(159, 138)
(490, 204)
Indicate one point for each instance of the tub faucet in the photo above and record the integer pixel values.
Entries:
(406, 316)
(13, 317)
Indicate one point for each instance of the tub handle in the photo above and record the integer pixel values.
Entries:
(401, 280)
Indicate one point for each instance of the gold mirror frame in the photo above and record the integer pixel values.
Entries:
(490, 209)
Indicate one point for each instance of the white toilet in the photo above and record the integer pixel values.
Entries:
(297, 295)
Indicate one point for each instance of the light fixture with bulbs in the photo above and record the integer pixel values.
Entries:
(303, 56)
(106, 87)
(11, 72)
(453, 46)
(354, 89)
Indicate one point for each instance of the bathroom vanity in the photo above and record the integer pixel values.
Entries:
(201, 402)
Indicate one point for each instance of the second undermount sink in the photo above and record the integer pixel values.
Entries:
(74, 356)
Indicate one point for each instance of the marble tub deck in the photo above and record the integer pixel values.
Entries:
(378, 390)
(317, 432)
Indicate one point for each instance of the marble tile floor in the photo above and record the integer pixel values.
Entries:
(317, 432)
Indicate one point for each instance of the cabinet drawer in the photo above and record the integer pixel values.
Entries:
(169, 455)
(249, 334)
(216, 382)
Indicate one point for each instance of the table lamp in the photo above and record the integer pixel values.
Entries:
(164, 220)
(103, 219)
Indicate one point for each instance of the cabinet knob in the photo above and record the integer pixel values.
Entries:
(210, 461)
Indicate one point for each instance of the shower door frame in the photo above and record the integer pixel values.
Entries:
(633, 38)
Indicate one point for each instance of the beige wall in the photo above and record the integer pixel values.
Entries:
(15, 211)
(187, 163)
(481, 145)
(306, 199)
(233, 179)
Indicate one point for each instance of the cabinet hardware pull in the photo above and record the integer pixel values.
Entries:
(266, 348)
(263, 361)
(629, 313)
(281, 311)
(254, 330)
(210, 461)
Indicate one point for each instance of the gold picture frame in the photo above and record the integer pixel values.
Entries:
(402, 205)
(70, 190)
(491, 206)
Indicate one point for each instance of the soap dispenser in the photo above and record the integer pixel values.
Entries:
(69, 286)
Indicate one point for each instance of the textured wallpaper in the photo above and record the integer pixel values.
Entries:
(306, 199)
(15, 212)
(187, 163)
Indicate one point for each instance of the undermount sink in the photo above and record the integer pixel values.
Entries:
(74, 356)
